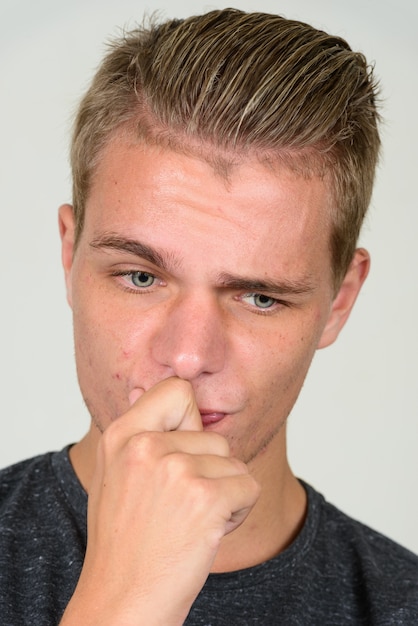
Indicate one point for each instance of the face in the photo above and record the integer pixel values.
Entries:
(224, 282)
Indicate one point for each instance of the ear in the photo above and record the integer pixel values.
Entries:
(66, 227)
(346, 297)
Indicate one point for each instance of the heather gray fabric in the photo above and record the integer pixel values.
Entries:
(336, 572)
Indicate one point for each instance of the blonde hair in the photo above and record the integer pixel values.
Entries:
(241, 82)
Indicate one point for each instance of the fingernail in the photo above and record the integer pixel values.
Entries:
(135, 394)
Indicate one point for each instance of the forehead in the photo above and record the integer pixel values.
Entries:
(224, 204)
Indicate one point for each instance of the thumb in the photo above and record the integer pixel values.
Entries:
(169, 405)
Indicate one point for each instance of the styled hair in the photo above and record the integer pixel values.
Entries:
(234, 83)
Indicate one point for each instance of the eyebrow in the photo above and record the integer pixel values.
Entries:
(225, 280)
(273, 287)
(132, 246)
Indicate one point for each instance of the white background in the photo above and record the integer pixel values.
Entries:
(354, 432)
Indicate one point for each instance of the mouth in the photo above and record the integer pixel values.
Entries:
(211, 417)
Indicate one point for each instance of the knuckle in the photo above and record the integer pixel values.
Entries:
(138, 448)
(143, 447)
(109, 439)
(181, 468)
(218, 444)
(176, 466)
(203, 494)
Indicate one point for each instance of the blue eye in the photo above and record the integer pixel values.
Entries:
(259, 300)
(142, 279)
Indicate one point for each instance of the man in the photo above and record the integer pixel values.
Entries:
(222, 168)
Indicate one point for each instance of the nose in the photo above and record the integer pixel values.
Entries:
(191, 337)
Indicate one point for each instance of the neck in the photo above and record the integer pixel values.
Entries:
(271, 526)
(275, 520)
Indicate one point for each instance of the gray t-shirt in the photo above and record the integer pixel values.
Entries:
(336, 572)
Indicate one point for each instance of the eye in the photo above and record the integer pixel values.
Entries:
(141, 279)
(135, 280)
(259, 300)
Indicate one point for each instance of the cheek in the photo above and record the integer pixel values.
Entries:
(98, 347)
(277, 371)
(112, 348)
(275, 386)
(102, 377)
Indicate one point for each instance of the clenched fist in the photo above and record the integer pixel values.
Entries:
(163, 495)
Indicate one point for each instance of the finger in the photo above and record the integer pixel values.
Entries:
(169, 405)
(147, 446)
(135, 394)
(198, 462)
(241, 492)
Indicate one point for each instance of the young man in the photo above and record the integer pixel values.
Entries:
(222, 168)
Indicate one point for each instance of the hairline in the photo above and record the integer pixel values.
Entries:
(307, 162)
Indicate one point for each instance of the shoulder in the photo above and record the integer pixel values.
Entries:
(373, 548)
(42, 514)
(33, 488)
(27, 474)
(381, 572)
(27, 489)
(42, 538)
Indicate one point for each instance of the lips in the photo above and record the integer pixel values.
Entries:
(211, 417)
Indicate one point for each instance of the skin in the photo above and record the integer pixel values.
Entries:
(198, 301)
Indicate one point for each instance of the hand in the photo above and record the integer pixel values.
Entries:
(164, 493)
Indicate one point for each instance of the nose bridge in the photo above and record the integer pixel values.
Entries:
(191, 339)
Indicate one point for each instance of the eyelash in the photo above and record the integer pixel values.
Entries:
(258, 310)
(131, 273)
